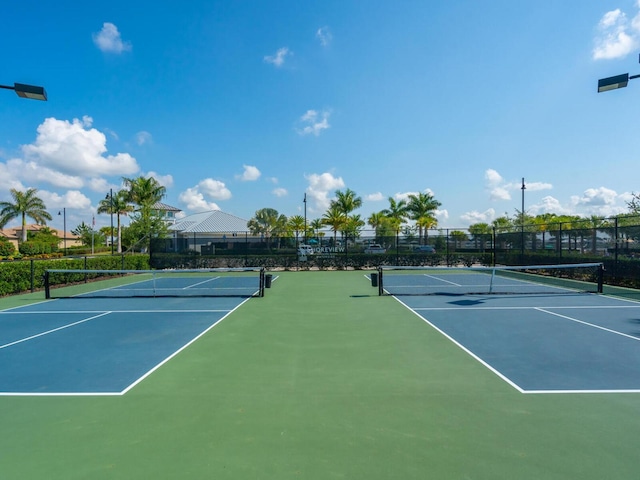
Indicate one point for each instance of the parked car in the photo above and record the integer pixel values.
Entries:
(305, 250)
(424, 249)
(375, 248)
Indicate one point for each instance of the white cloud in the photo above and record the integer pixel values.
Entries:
(36, 173)
(71, 200)
(501, 190)
(194, 201)
(75, 149)
(319, 189)
(596, 197)
(199, 198)
(279, 58)
(143, 137)
(280, 192)
(313, 122)
(108, 39)
(492, 177)
(474, 216)
(617, 36)
(324, 35)
(214, 189)
(250, 174)
(374, 197)
(164, 180)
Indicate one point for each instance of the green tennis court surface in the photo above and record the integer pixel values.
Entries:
(321, 379)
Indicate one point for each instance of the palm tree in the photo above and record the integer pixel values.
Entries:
(266, 222)
(296, 223)
(316, 225)
(397, 213)
(334, 218)
(421, 208)
(352, 226)
(118, 205)
(347, 201)
(25, 204)
(144, 191)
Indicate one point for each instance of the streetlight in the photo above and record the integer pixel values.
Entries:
(64, 228)
(522, 221)
(615, 82)
(305, 218)
(27, 91)
(110, 197)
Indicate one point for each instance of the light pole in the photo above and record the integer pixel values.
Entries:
(27, 91)
(110, 197)
(305, 218)
(618, 81)
(64, 228)
(522, 220)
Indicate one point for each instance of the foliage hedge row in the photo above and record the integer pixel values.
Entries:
(17, 276)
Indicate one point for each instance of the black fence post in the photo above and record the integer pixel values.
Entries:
(33, 271)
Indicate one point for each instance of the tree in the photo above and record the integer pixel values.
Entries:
(118, 205)
(25, 204)
(88, 236)
(421, 208)
(297, 224)
(334, 218)
(352, 226)
(480, 232)
(145, 192)
(346, 202)
(316, 225)
(267, 222)
(397, 212)
(458, 236)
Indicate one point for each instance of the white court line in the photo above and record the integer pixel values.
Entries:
(589, 324)
(532, 307)
(542, 309)
(181, 349)
(53, 330)
(68, 312)
(442, 280)
(200, 283)
(465, 349)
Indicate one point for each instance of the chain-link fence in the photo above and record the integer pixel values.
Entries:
(614, 241)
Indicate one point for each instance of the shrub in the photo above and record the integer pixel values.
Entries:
(6, 248)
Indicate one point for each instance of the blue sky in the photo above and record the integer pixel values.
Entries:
(244, 105)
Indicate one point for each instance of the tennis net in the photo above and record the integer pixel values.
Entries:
(215, 282)
(532, 279)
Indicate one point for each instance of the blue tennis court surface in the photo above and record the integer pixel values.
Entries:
(543, 343)
(98, 347)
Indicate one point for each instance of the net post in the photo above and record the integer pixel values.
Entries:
(262, 280)
(380, 287)
(47, 291)
(600, 278)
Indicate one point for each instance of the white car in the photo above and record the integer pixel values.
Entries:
(375, 248)
(304, 250)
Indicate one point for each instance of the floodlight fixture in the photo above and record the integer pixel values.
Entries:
(27, 91)
(618, 81)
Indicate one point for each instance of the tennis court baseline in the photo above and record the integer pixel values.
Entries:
(98, 347)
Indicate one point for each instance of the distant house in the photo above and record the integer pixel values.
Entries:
(199, 231)
(166, 212)
(14, 234)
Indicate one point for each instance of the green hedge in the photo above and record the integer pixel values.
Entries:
(17, 276)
